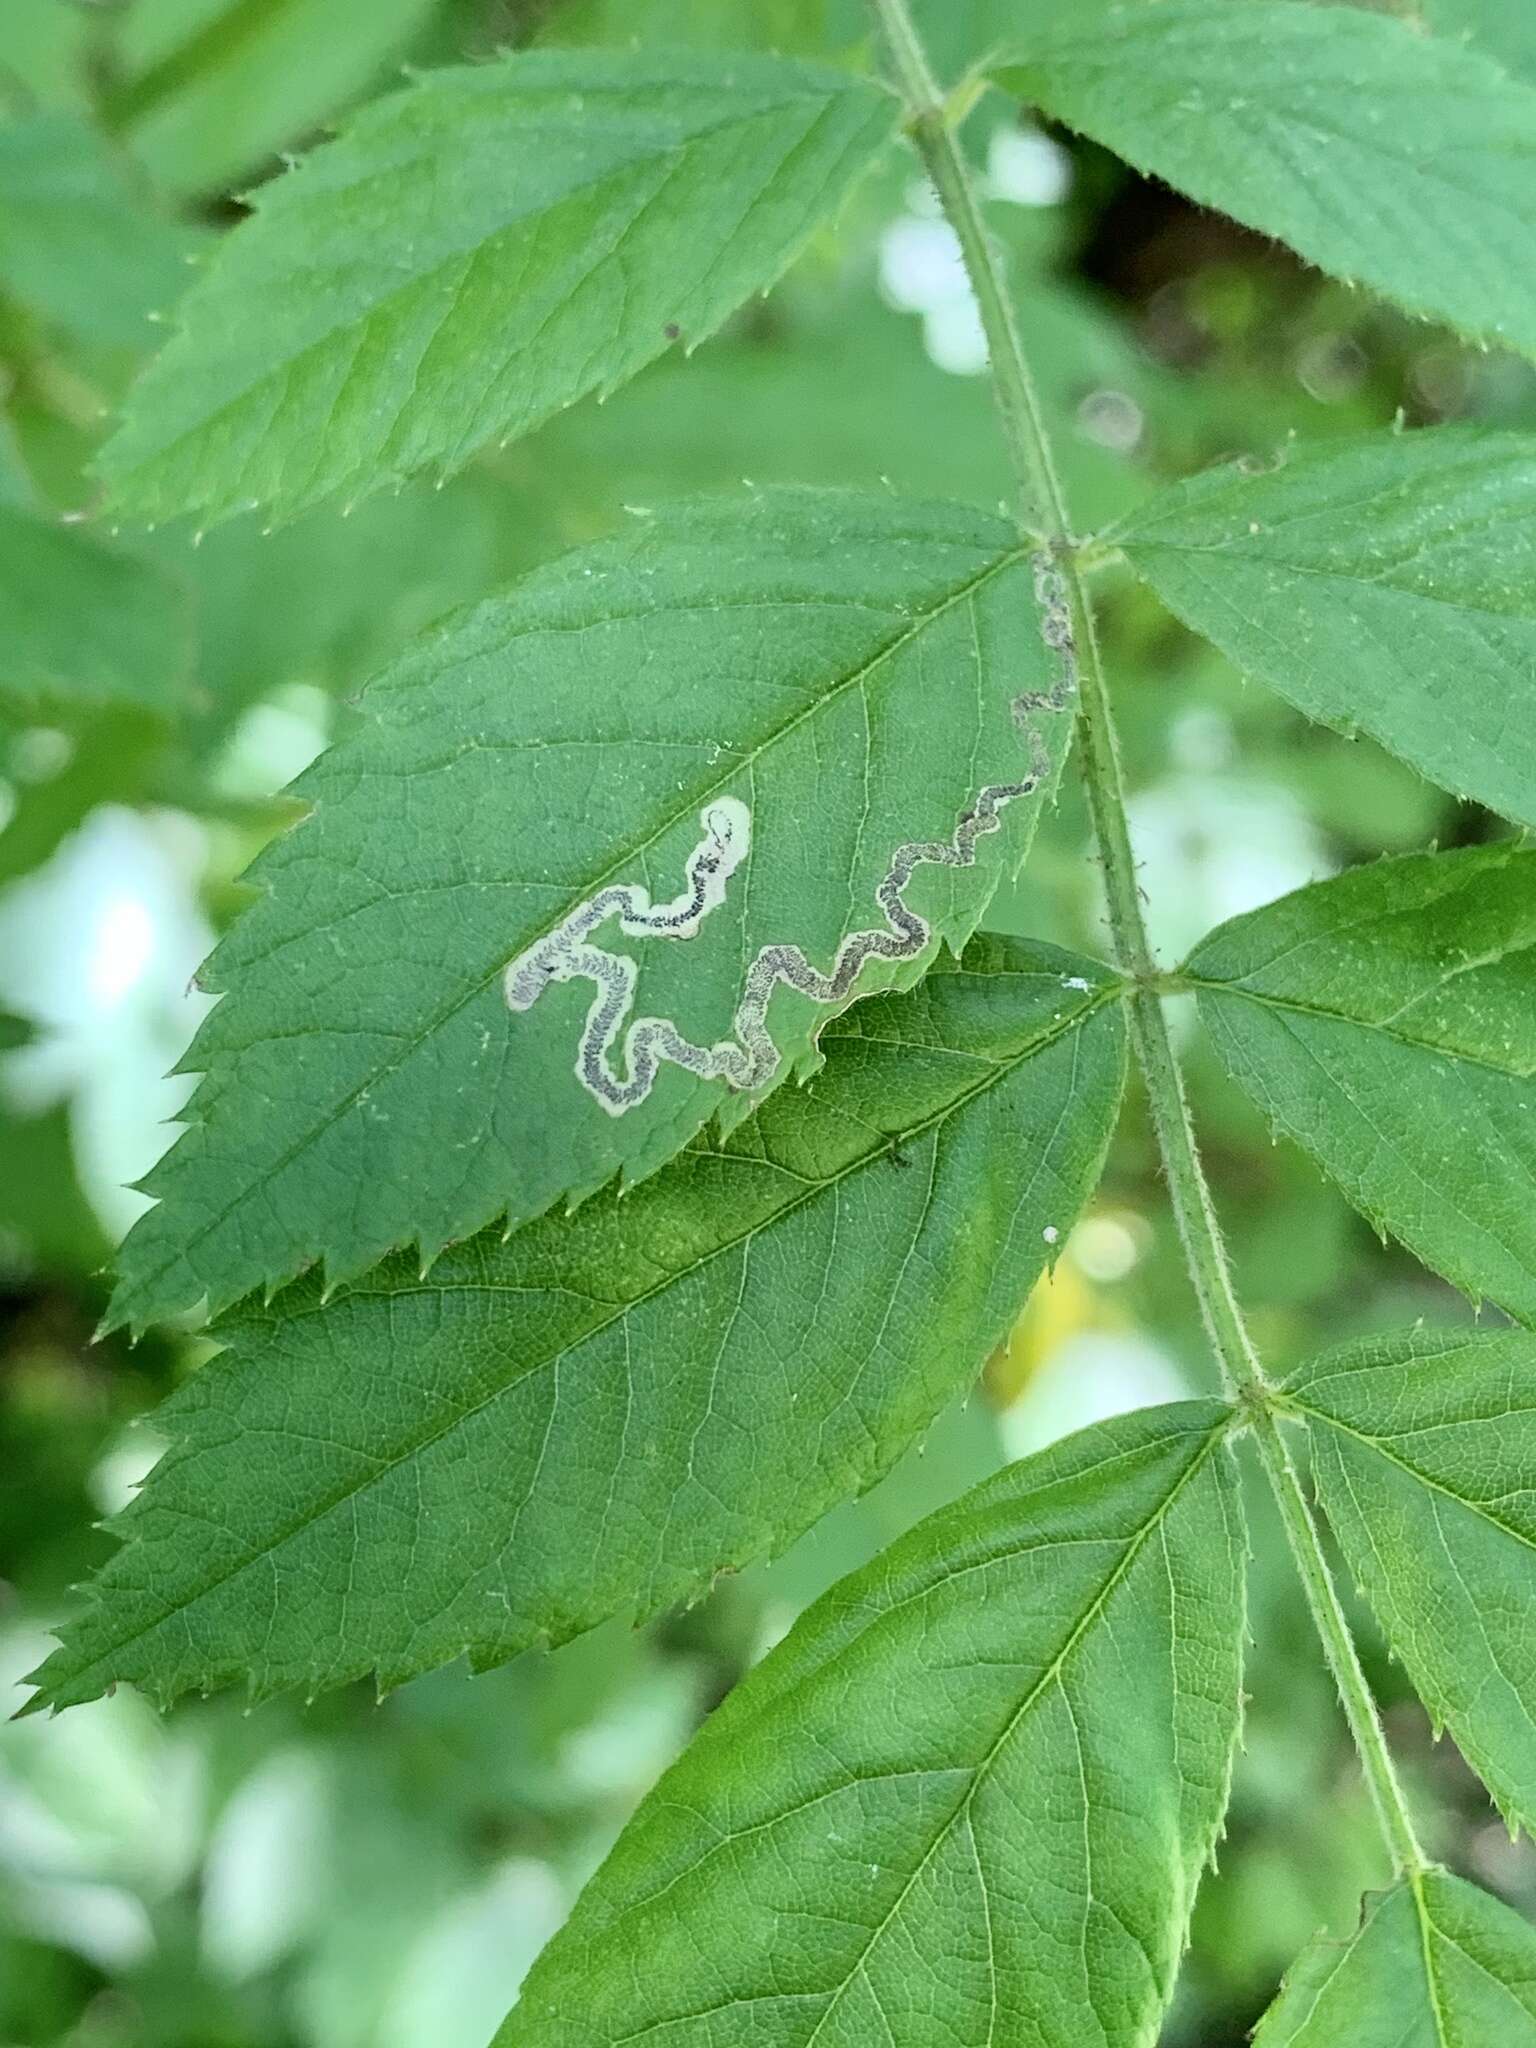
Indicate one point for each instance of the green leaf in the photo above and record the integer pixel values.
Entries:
(118, 756)
(329, 600)
(48, 1225)
(958, 35)
(212, 88)
(955, 33)
(838, 390)
(78, 246)
(598, 1414)
(1384, 1021)
(806, 27)
(85, 623)
(475, 253)
(1493, 26)
(827, 682)
(968, 1798)
(41, 62)
(1379, 154)
(1436, 1964)
(1387, 584)
(1424, 1446)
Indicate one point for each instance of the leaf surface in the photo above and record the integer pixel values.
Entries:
(475, 253)
(600, 1413)
(1424, 1457)
(825, 679)
(211, 89)
(1380, 154)
(1384, 1020)
(804, 27)
(1440, 1966)
(78, 246)
(1493, 26)
(840, 391)
(330, 600)
(84, 623)
(968, 1798)
(1386, 584)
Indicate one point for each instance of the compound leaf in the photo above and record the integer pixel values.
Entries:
(84, 623)
(1387, 584)
(969, 1797)
(475, 253)
(1436, 1964)
(759, 713)
(1424, 1451)
(1384, 1021)
(1378, 153)
(598, 1414)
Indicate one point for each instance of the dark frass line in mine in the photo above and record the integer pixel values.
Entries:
(750, 1060)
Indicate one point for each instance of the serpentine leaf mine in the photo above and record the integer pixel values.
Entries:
(750, 1059)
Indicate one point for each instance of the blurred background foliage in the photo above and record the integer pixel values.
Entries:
(365, 1875)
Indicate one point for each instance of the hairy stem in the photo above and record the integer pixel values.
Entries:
(1333, 1627)
(1043, 511)
(1028, 443)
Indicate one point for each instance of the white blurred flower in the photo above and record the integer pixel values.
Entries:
(1027, 167)
(956, 339)
(921, 266)
(465, 1970)
(98, 949)
(1088, 1379)
(274, 741)
(1210, 847)
(263, 1881)
(100, 1812)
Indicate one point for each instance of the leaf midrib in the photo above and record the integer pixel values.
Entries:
(978, 1772)
(1473, 1284)
(1405, 1465)
(1294, 1004)
(1429, 1927)
(376, 308)
(424, 1441)
(1240, 550)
